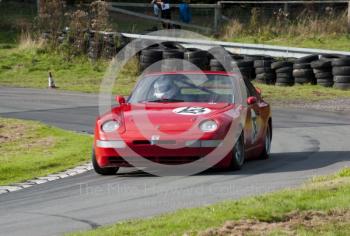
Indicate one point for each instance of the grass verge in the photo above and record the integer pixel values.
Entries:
(317, 200)
(30, 149)
(300, 93)
(29, 67)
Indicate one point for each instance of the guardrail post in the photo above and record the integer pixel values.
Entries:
(349, 16)
(38, 6)
(217, 17)
(285, 7)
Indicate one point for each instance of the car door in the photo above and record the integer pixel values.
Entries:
(254, 121)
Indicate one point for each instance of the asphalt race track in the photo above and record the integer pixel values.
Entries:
(305, 143)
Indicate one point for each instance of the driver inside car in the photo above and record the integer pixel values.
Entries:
(165, 88)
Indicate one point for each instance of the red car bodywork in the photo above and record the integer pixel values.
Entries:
(162, 116)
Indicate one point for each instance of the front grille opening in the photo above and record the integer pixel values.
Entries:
(147, 142)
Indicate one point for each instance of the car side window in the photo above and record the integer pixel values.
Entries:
(250, 89)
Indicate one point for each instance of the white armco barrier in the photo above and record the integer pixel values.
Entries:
(240, 48)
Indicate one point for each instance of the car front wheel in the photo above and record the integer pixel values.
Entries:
(102, 171)
(238, 154)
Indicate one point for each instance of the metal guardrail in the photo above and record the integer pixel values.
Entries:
(240, 48)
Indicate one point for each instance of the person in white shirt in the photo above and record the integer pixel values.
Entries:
(165, 10)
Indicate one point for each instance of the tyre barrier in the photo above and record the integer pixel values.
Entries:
(284, 73)
(172, 60)
(264, 73)
(246, 67)
(341, 73)
(196, 57)
(328, 70)
(323, 71)
(302, 70)
(149, 57)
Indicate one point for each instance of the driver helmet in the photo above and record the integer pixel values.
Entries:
(165, 88)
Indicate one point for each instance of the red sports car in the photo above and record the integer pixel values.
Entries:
(182, 117)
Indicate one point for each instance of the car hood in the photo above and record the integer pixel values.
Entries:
(169, 117)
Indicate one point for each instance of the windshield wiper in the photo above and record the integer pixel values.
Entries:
(166, 100)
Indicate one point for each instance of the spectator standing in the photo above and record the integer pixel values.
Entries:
(165, 11)
(185, 12)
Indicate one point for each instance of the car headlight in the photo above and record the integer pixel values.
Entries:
(208, 126)
(110, 126)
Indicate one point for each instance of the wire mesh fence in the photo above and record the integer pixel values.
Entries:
(271, 10)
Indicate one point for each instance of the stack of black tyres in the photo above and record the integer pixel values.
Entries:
(302, 70)
(246, 68)
(263, 71)
(341, 73)
(172, 60)
(323, 72)
(216, 65)
(284, 73)
(149, 57)
(221, 60)
(197, 57)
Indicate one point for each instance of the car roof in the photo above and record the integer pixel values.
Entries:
(192, 73)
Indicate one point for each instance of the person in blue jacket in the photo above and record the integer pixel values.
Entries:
(185, 12)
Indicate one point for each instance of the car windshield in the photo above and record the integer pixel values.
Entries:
(184, 88)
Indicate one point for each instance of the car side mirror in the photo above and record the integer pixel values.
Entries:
(258, 90)
(120, 100)
(251, 100)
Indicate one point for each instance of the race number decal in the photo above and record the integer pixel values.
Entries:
(191, 111)
(254, 126)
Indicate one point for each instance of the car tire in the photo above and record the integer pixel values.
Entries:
(170, 54)
(302, 80)
(215, 63)
(302, 66)
(307, 59)
(102, 171)
(342, 79)
(289, 84)
(323, 70)
(303, 73)
(238, 154)
(323, 75)
(172, 45)
(281, 64)
(341, 62)
(285, 80)
(243, 63)
(331, 56)
(342, 86)
(261, 70)
(320, 64)
(217, 68)
(157, 54)
(343, 70)
(262, 63)
(195, 53)
(285, 70)
(284, 75)
(148, 59)
(265, 154)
